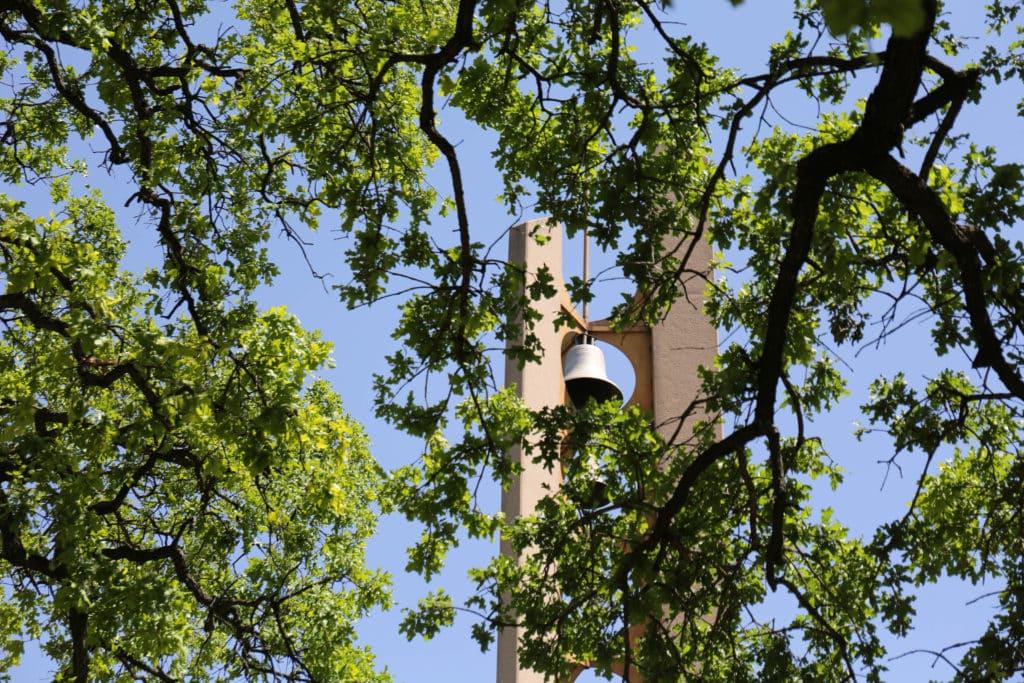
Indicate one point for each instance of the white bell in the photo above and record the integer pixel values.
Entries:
(585, 374)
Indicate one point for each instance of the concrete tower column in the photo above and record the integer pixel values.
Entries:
(665, 358)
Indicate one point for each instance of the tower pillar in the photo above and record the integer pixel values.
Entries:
(665, 358)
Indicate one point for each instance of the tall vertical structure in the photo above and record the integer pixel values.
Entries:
(665, 358)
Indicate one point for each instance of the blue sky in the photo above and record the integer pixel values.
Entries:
(741, 36)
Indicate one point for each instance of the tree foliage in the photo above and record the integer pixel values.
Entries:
(175, 390)
(179, 497)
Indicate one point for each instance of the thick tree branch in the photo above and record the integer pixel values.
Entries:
(78, 627)
(462, 39)
(966, 245)
(887, 115)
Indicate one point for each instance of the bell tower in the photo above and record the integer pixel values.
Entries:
(665, 358)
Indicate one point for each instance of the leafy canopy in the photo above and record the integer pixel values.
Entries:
(324, 113)
(180, 497)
